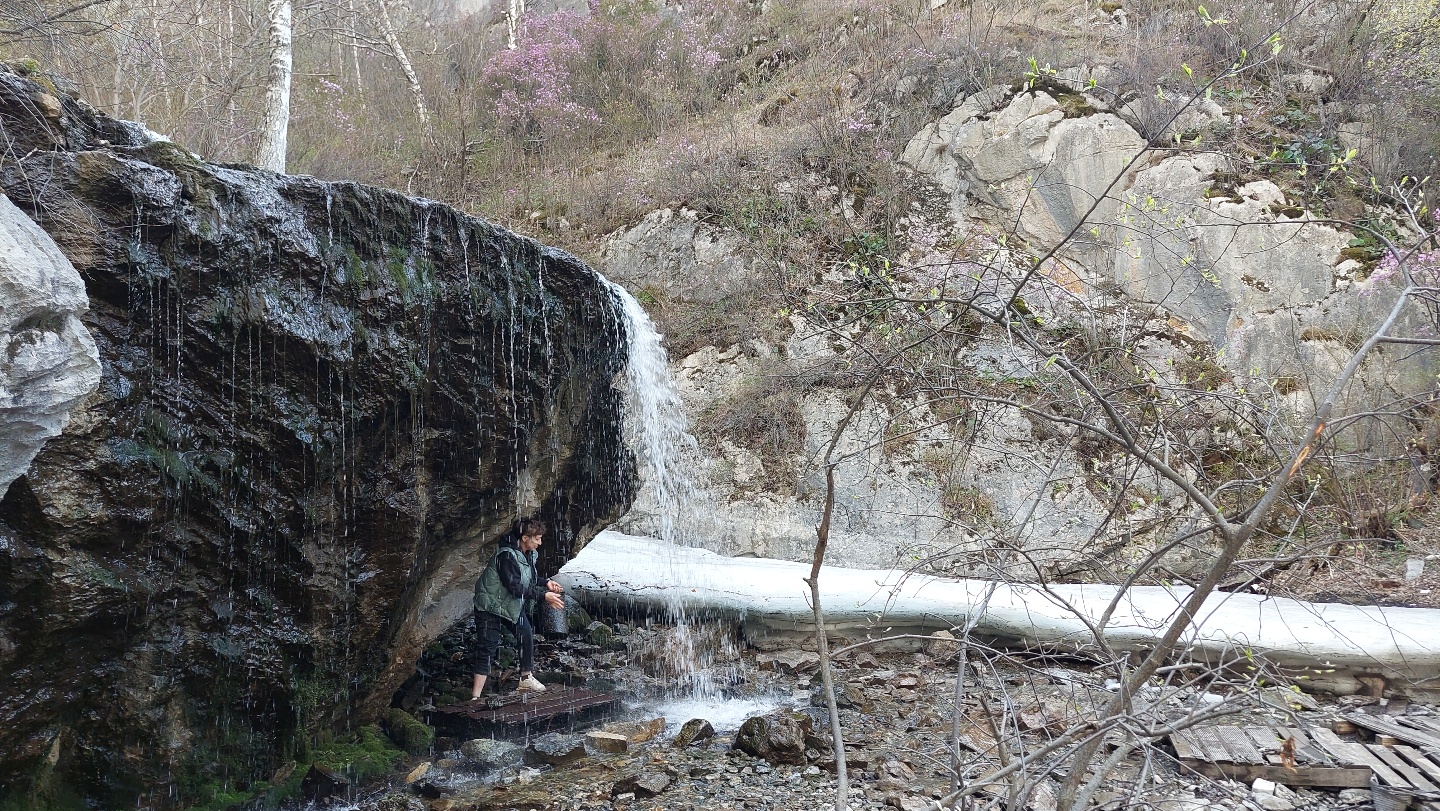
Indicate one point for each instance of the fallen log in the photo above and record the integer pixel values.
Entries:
(1324, 646)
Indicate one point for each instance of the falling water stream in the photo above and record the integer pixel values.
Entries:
(657, 431)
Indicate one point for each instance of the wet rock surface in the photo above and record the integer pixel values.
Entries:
(320, 406)
(486, 754)
(778, 737)
(556, 749)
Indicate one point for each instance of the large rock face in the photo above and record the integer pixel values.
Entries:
(47, 360)
(320, 404)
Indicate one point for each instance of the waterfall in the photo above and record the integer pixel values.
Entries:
(655, 427)
(658, 433)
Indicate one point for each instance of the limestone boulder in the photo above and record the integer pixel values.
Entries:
(1044, 159)
(48, 361)
(675, 255)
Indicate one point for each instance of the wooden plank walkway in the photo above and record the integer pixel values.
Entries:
(520, 712)
(1320, 757)
(1419, 732)
(1245, 753)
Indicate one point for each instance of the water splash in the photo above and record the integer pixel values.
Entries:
(657, 431)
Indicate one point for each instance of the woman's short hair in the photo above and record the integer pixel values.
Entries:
(532, 526)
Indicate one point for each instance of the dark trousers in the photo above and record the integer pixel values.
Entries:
(487, 641)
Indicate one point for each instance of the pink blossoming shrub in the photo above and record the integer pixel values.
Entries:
(1424, 269)
(623, 67)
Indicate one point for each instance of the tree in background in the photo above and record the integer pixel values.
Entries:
(271, 152)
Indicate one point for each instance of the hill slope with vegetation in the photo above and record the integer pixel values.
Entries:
(847, 283)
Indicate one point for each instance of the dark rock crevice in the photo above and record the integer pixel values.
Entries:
(321, 403)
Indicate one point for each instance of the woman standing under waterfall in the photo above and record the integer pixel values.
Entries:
(504, 595)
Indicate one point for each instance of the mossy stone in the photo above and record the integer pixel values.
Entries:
(408, 732)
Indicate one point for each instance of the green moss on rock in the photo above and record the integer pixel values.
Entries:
(408, 732)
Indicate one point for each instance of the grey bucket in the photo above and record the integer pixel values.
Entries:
(551, 621)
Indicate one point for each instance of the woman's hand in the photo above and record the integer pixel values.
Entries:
(555, 588)
(555, 600)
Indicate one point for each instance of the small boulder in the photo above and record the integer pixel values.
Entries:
(1050, 715)
(778, 737)
(556, 749)
(943, 643)
(637, 731)
(324, 783)
(487, 755)
(608, 743)
(794, 662)
(695, 731)
(599, 634)
(408, 732)
(393, 801)
(576, 620)
(846, 695)
(644, 785)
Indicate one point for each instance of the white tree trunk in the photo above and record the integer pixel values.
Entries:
(396, 50)
(513, 15)
(271, 152)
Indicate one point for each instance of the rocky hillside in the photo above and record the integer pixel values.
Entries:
(1207, 236)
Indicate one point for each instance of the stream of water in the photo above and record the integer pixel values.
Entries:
(694, 659)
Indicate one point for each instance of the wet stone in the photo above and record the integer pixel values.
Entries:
(323, 783)
(778, 737)
(647, 784)
(637, 731)
(598, 633)
(696, 730)
(485, 754)
(608, 743)
(556, 749)
(793, 661)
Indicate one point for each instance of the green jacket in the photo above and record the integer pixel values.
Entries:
(492, 597)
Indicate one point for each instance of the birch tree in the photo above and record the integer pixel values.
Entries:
(513, 14)
(392, 41)
(270, 153)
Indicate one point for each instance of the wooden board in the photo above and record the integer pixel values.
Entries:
(1186, 747)
(1402, 768)
(1357, 755)
(1306, 751)
(1315, 776)
(1389, 726)
(1235, 753)
(1214, 749)
(1242, 749)
(517, 713)
(1265, 740)
(1423, 763)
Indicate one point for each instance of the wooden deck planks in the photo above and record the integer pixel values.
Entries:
(1245, 754)
(1421, 762)
(1357, 754)
(1322, 758)
(1242, 749)
(1418, 737)
(1411, 775)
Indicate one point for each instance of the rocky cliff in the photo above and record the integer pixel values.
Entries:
(319, 404)
(1209, 284)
